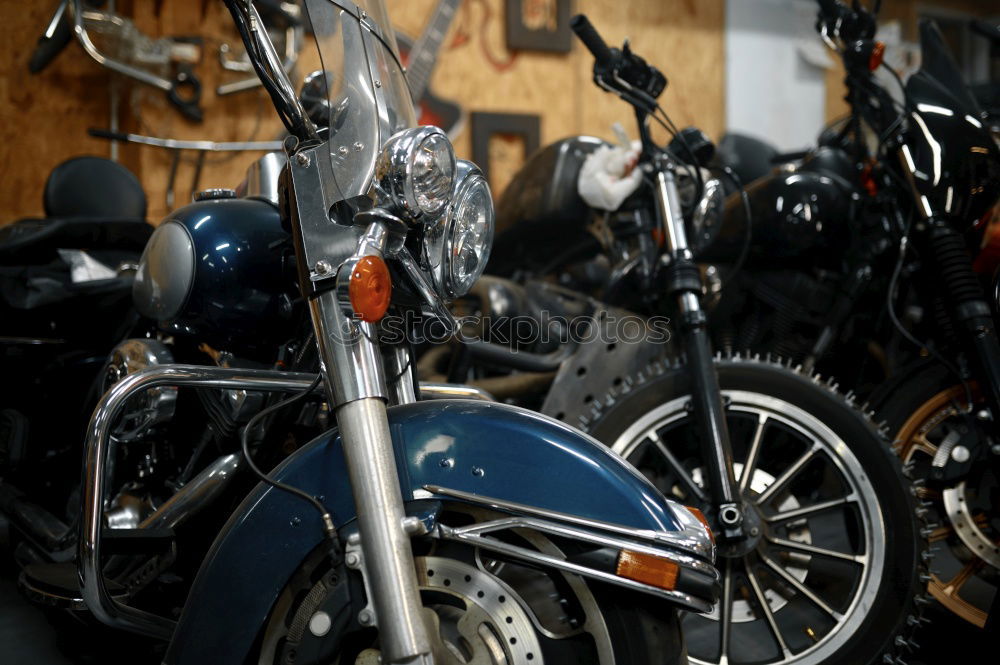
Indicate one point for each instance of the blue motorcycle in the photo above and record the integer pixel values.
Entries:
(416, 531)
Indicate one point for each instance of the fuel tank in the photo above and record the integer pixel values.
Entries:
(800, 218)
(216, 271)
(541, 209)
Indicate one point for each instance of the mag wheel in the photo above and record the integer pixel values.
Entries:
(479, 610)
(831, 568)
(943, 439)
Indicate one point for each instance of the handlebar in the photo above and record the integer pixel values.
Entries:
(987, 29)
(584, 29)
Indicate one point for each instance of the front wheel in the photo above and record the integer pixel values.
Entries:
(479, 610)
(832, 565)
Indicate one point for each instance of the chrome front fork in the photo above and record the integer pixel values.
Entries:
(357, 387)
(684, 283)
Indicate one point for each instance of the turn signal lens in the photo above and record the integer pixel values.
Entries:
(875, 59)
(701, 518)
(370, 288)
(648, 569)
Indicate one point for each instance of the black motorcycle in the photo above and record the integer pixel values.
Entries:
(821, 550)
(899, 307)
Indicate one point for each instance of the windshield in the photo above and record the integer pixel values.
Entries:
(939, 81)
(368, 100)
(950, 156)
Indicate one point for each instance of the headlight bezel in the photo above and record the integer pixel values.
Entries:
(395, 172)
(441, 236)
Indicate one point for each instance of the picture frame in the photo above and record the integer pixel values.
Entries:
(520, 37)
(488, 124)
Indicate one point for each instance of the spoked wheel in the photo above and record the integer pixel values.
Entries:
(831, 566)
(479, 610)
(943, 440)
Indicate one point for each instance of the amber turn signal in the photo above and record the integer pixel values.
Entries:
(701, 518)
(875, 59)
(648, 569)
(370, 288)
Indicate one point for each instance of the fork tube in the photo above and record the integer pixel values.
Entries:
(356, 384)
(684, 282)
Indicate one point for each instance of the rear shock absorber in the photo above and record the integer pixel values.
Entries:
(968, 304)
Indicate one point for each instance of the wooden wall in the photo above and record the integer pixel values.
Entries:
(46, 116)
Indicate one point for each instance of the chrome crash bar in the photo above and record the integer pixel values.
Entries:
(196, 492)
(686, 548)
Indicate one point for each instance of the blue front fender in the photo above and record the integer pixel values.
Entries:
(484, 448)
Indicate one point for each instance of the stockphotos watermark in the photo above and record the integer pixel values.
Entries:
(527, 331)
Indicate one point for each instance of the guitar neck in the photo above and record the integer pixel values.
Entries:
(424, 54)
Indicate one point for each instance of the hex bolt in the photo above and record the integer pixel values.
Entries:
(302, 159)
(365, 617)
(323, 267)
(478, 471)
(446, 463)
(358, 146)
(342, 150)
(351, 560)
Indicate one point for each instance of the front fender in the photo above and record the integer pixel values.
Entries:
(490, 449)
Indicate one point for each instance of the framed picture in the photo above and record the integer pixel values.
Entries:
(539, 25)
(501, 142)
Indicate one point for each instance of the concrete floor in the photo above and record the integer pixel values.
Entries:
(26, 636)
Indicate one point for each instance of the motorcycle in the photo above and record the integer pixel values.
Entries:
(909, 291)
(936, 169)
(780, 463)
(77, 261)
(415, 531)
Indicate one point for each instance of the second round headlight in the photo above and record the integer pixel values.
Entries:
(459, 243)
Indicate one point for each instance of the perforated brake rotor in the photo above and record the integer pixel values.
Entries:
(964, 525)
(480, 619)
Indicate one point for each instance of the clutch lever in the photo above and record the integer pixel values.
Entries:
(620, 71)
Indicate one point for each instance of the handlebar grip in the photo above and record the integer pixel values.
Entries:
(107, 134)
(581, 25)
(49, 47)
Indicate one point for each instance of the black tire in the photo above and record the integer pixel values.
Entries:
(885, 630)
(639, 630)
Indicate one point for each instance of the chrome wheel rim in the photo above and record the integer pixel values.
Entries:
(795, 609)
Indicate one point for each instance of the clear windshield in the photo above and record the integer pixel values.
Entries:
(368, 97)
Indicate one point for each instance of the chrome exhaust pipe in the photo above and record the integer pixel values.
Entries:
(199, 492)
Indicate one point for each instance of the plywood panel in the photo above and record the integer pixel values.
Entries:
(683, 38)
(43, 117)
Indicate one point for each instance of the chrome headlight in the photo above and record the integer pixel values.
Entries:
(416, 169)
(459, 243)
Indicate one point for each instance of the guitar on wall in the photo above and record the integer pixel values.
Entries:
(420, 57)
